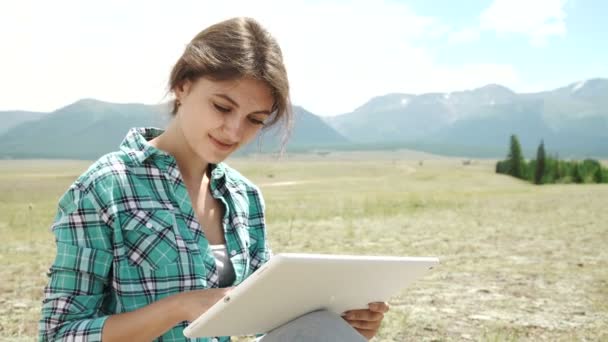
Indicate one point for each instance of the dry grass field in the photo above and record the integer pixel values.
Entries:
(519, 262)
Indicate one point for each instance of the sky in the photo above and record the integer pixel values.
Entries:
(338, 54)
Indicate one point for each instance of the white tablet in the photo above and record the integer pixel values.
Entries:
(291, 285)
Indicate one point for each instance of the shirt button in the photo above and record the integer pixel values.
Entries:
(149, 225)
(233, 252)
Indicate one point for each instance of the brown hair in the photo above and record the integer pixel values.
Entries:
(232, 49)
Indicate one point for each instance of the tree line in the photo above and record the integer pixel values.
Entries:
(547, 169)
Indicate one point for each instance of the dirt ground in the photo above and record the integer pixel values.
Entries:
(518, 261)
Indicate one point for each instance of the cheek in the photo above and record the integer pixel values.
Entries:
(195, 124)
(250, 134)
(199, 118)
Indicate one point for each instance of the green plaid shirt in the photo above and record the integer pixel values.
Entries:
(127, 236)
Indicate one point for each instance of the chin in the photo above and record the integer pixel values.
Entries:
(216, 157)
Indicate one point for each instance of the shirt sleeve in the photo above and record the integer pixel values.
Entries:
(71, 308)
(259, 248)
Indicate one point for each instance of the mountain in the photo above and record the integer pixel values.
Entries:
(10, 119)
(572, 120)
(83, 130)
(406, 117)
(90, 128)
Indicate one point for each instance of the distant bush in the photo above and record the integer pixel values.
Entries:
(548, 170)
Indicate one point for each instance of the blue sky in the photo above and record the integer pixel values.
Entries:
(580, 52)
(338, 53)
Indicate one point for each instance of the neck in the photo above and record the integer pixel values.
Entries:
(173, 141)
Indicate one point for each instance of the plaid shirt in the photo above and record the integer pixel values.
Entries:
(127, 236)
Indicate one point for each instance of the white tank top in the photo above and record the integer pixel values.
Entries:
(224, 265)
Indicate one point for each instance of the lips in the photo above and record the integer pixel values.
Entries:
(222, 144)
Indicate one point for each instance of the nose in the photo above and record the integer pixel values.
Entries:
(233, 127)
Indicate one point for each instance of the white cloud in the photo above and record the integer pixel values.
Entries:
(338, 54)
(463, 36)
(538, 19)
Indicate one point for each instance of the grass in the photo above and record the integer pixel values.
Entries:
(519, 262)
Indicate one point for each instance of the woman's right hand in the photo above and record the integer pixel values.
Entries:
(192, 304)
(153, 320)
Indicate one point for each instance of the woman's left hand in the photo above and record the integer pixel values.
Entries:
(367, 321)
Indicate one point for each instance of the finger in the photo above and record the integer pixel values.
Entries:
(379, 307)
(365, 325)
(364, 315)
(368, 334)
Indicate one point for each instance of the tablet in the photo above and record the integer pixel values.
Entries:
(291, 285)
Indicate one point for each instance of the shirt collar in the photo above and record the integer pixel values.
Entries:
(137, 146)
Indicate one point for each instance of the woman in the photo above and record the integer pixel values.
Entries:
(151, 236)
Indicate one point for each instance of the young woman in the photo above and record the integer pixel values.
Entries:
(151, 236)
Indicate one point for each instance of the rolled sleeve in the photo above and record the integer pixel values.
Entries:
(79, 275)
(259, 249)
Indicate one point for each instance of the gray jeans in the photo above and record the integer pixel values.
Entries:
(318, 326)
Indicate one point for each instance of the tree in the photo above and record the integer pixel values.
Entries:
(599, 175)
(559, 171)
(577, 176)
(540, 163)
(515, 158)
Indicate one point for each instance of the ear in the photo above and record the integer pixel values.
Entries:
(183, 89)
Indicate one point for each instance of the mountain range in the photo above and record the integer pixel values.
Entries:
(90, 128)
(572, 121)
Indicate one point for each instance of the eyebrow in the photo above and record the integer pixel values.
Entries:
(229, 99)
